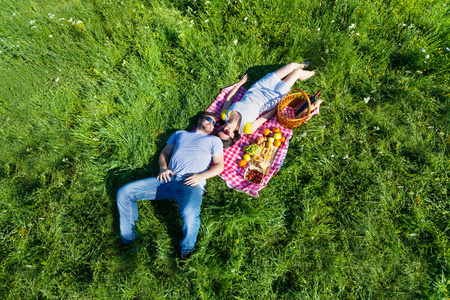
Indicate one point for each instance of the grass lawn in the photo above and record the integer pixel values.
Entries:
(91, 90)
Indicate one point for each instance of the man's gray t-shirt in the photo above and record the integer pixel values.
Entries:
(193, 152)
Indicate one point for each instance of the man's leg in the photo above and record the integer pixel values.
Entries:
(127, 197)
(189, 199)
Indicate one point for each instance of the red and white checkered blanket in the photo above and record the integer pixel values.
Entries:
(233, 175)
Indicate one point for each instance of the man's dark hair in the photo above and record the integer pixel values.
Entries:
(207, 113)
(230, 142)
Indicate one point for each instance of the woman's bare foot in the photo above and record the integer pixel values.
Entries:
(313, 106)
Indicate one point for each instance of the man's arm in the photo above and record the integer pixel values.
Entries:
(216, 169)
(258, 122)
(230, 95)
(164, 158)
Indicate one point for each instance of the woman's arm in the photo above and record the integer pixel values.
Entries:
(231, 94)
(258, 122)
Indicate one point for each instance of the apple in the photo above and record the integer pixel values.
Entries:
(277, 136)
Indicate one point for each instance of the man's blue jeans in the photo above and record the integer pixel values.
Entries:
(189, 199)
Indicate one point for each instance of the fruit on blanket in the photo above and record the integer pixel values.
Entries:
(254, 176)
(283, 139)
(277, 136)
(269, 144)
(277, 143)
(242, 163)
(271, 139)
(276, 129)
(223, 115)
(247, 157)
(247, 128)
(267, 132)
(251, 149)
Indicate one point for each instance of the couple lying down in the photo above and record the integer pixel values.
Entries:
(185, 160)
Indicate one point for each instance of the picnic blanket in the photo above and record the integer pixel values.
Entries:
(233, 175)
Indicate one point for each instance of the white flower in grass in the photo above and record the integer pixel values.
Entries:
(352, 26)
(423, 50)
(71, 19)
(50, 36)
(51, 16)
(404, 25)
(33, 27)
(345, 156)
(303, 134)
(332, 21)
(207, 2)
(427, 56)
(206, 21)
(32, 21)
(332, 156)
(366, 100)
(62, 19)
(235, 42)
(14, 14)
(79, 22)
(1, 51)
(318, 29)
(95, 139)
(57, 79)
(447, 48)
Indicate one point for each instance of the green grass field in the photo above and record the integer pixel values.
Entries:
(91, 90)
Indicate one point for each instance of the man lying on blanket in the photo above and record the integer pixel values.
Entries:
(263, 96)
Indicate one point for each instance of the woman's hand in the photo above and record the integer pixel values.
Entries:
(243, 80)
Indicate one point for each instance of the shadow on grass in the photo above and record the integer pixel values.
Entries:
(255, 73)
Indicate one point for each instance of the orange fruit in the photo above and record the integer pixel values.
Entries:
(242, 163)
(266, 132)
(276, 129)
(283, 139)
(277, 143)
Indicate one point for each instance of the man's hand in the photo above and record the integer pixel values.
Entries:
(193, 179)
(164, 174)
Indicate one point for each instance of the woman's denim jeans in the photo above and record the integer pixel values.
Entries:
(189, 199)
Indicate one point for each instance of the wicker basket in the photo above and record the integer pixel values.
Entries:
(293, 100)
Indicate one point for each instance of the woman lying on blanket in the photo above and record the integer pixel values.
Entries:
(263, 96)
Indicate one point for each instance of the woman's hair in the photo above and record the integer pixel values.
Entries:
(230, 142)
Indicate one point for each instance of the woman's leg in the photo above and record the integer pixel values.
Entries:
(288, 69)
(298, 75)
